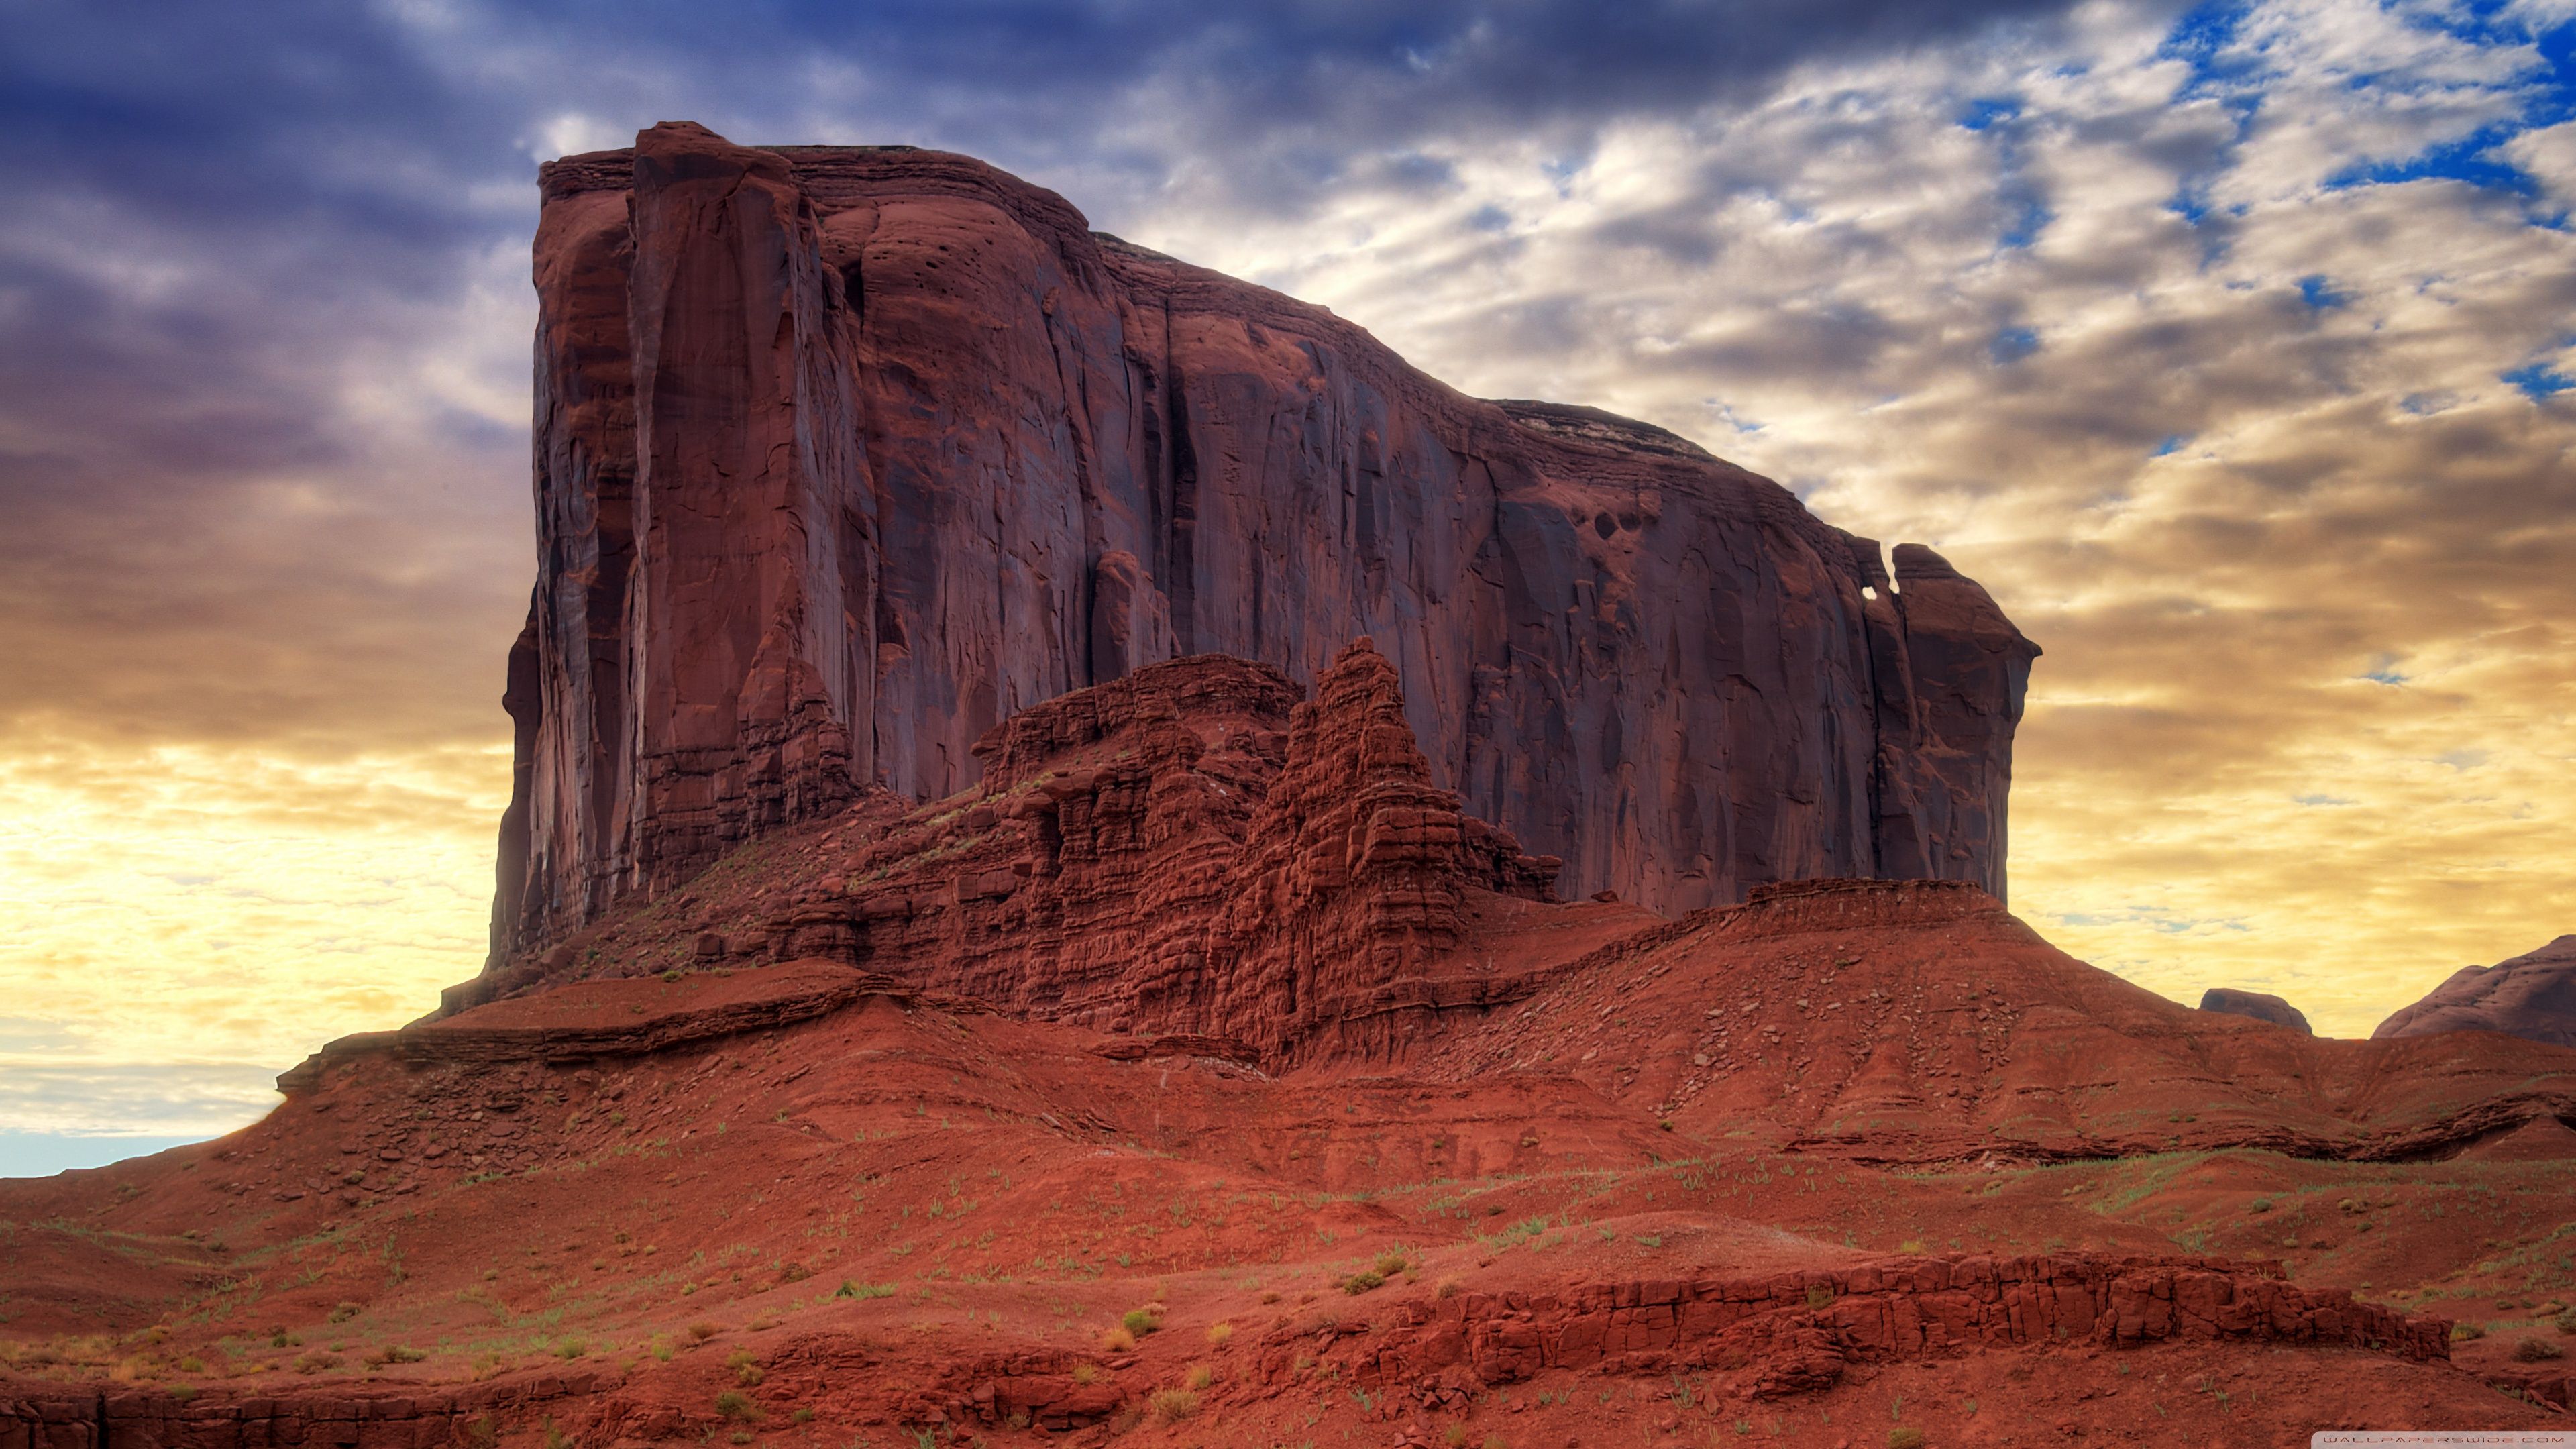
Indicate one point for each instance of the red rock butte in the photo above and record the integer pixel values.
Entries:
(844, 455)
(1034, 914)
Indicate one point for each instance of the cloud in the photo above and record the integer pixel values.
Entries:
(133, 1099)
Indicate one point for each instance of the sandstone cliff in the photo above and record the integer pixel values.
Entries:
(845, 455)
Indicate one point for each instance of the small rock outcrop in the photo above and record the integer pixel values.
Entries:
(845, 455)
(2262, 1006)
(2531, 996)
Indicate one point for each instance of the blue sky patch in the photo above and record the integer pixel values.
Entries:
(1988, 111)
(2012, 345)
(2538, 381)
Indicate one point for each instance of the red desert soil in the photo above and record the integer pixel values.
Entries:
(1204, 1076)
(893, 1213)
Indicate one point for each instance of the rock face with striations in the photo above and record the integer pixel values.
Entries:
(1189, 850)
(2532, 996)
(845, 455)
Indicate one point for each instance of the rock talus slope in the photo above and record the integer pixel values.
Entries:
(844, 455)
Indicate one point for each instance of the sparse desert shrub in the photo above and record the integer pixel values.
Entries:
(1455, 1436)
(746, 1370)
(2566, 1321)
(480, 1434)
(193, 1365)
(737, 1405)
(1448, 1288)
(803, 1416)
(1665, 1125)
(391, 1353)
(1271, 1295)
(2536, 1350)
(1390, 1264)
(571, 1347)
(1905, 1438)
(1173, 1405)
(849, 1289)
(1117, 1340)
(703, 1331)
(2259, 1205)
(2465, 1332)
(345, 1312)
(1494, 1441)
(1910, 1245)
(1819, 1296)
(1361, 1282)
(1139, 1322)
(1220, 1334)
(1200, 1376)
(1086, 1373)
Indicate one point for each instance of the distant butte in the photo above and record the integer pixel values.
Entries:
(2260, 1005)
(2531, 996)
(844, 455)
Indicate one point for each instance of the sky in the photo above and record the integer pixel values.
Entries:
(2232, 346)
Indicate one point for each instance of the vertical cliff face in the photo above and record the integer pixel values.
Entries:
(843, 455)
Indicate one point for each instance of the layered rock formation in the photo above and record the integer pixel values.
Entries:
(2260, 1005)
(845, 455)
(1187, 849)
(2531, 996)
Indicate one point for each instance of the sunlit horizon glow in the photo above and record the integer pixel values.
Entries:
(2233, 349)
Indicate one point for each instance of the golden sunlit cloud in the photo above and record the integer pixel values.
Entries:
(228, 911)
